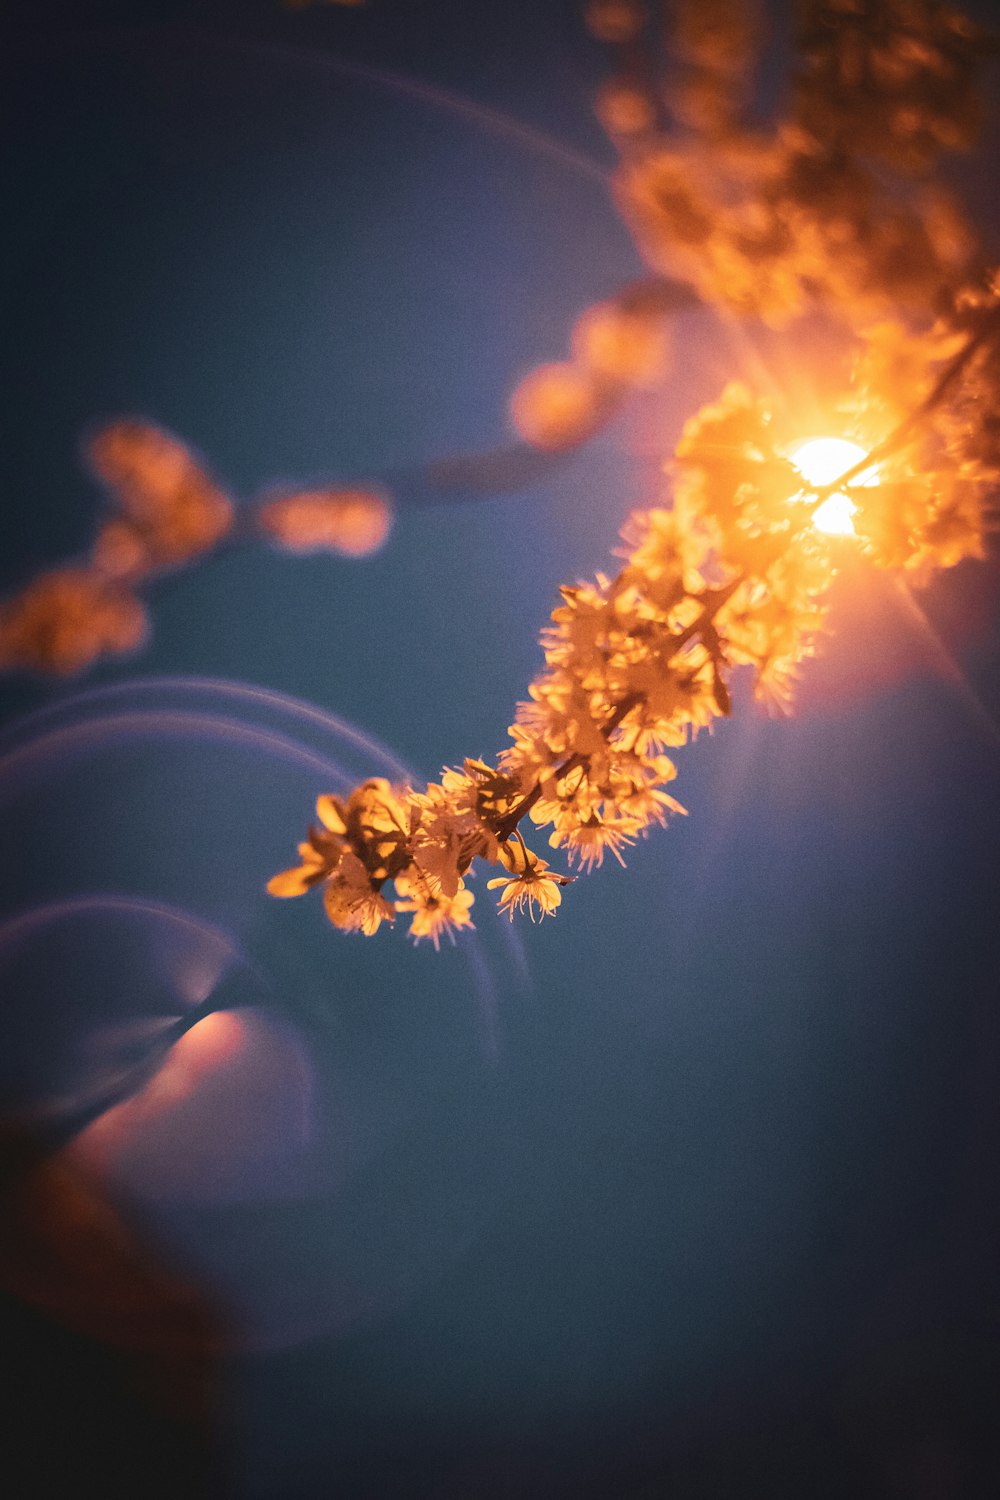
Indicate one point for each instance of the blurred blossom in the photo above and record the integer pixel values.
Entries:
(624, 109)
(900, 83)
(615, 20)
(354, 522)
(620, 344)
(168, 513)
(67, 1249)
(616, 345)
(557, 405)
(64, 619)
(716, 43)
(171, 510)
(833, 202)
(119, 550)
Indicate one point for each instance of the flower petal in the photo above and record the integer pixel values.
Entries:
(328, 812)
(292, 882)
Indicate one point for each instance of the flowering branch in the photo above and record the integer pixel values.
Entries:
(833, 207)
(733, 574)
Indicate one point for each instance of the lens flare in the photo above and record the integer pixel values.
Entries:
(821, 461)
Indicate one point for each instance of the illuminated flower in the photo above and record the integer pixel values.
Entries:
(448, 832)
(587, 842)
(377, 826)
(352, 902)
(435, 915)
(320, 854)
(529, 886)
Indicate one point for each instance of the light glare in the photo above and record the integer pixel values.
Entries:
(821, 461)
(835, 517)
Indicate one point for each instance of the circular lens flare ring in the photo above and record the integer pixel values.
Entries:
(821, 461)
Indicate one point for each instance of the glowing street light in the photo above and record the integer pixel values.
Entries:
(821, 461)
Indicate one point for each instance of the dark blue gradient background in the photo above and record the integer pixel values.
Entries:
(741, 1237)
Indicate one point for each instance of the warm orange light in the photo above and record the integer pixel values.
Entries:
(821, 461)
(353, 522)
(556, 406)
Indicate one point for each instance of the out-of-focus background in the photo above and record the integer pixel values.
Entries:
(691, 1191)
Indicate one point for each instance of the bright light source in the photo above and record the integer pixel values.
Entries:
(821, 461)
(835, 517)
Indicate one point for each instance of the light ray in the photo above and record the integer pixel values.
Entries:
(943, 659)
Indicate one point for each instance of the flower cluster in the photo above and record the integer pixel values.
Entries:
(164, 512)
(935, 500)
(64, 619)
(421, 843)
(836, 201)
(895, 80)
(833, 206)
(168, 510)
(837, 204)
(733, 574)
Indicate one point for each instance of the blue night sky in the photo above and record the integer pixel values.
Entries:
(689, 1192)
